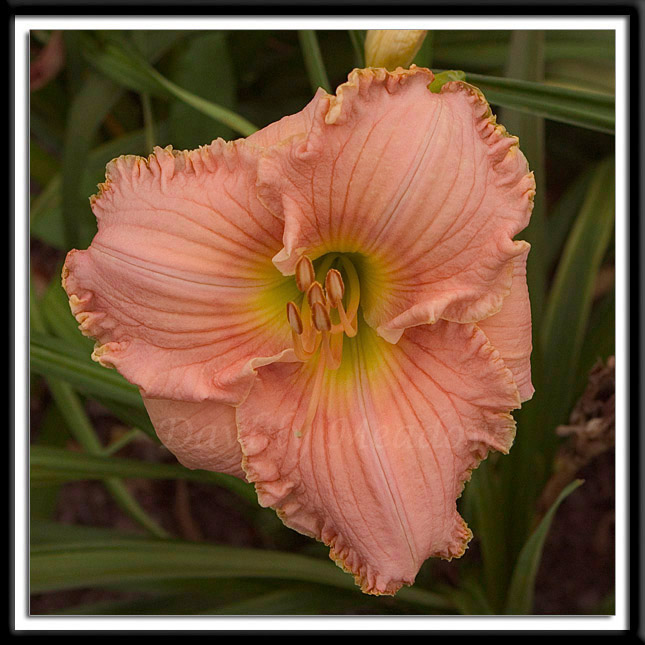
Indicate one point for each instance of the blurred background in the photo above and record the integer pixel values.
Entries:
(117, 527)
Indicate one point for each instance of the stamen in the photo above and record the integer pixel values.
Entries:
(315, 294)
(303, 347)
(335, 292)
(293, 316)
(305, 274)
(332, 345)
(348, 328)
(320, 317)
(315, 396)
(334, 287)
(312, 329)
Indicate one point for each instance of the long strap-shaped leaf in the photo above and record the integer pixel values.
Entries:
(313, 60)
(53, 465)
(569, 302)
(69, 565)
(80, 426)
(57, 358)
(520, 595)
(592, 110)
(131, 70)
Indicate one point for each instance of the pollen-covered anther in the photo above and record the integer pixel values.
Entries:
(305, 274)
(315, 294)
(293, 316)
(320, 317)
(334, 287)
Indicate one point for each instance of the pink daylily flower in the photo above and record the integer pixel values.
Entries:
(334, 309)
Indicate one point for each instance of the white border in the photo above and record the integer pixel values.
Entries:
(22, 621)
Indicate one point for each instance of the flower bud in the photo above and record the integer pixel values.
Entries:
(392, 48)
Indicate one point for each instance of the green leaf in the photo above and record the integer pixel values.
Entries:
(571, 296)
(69, 565)
(43, 531)
(121, 62)
(600, 339)
(152, 44)
(487, 50)
(55, 465)
(520, 594)
(442, 78)
(132, 71)
(133, 416)
(357, 37)
(81, 428)
(53, 357)
(52, 431)
(593, 110)
(205, 67)
(156, 605)
(58, 317)
(563, 213)
(313, 60)
(227, 597)
(42, 165)
(487, 500)
(556, 358)
(526, 62)
(424, 55)
(301, 600)
(469, 598)
(88, 110)
(46, 215)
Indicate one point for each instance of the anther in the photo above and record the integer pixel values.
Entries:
(315, 295)
(305, 274)
(334, 287)
(320, 317)
(293, 316)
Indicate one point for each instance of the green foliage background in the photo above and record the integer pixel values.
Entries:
(122, 93)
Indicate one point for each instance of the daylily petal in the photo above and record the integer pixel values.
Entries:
(178, 285)
(424, 188)
(287, 126)
(201, 435)
(509, 331)
(396, 433)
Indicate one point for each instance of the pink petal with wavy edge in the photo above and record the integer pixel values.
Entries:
(397, 431)
(201, 435)
(178, 285)
(288, 126)
(509, 331)
(425, 187)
